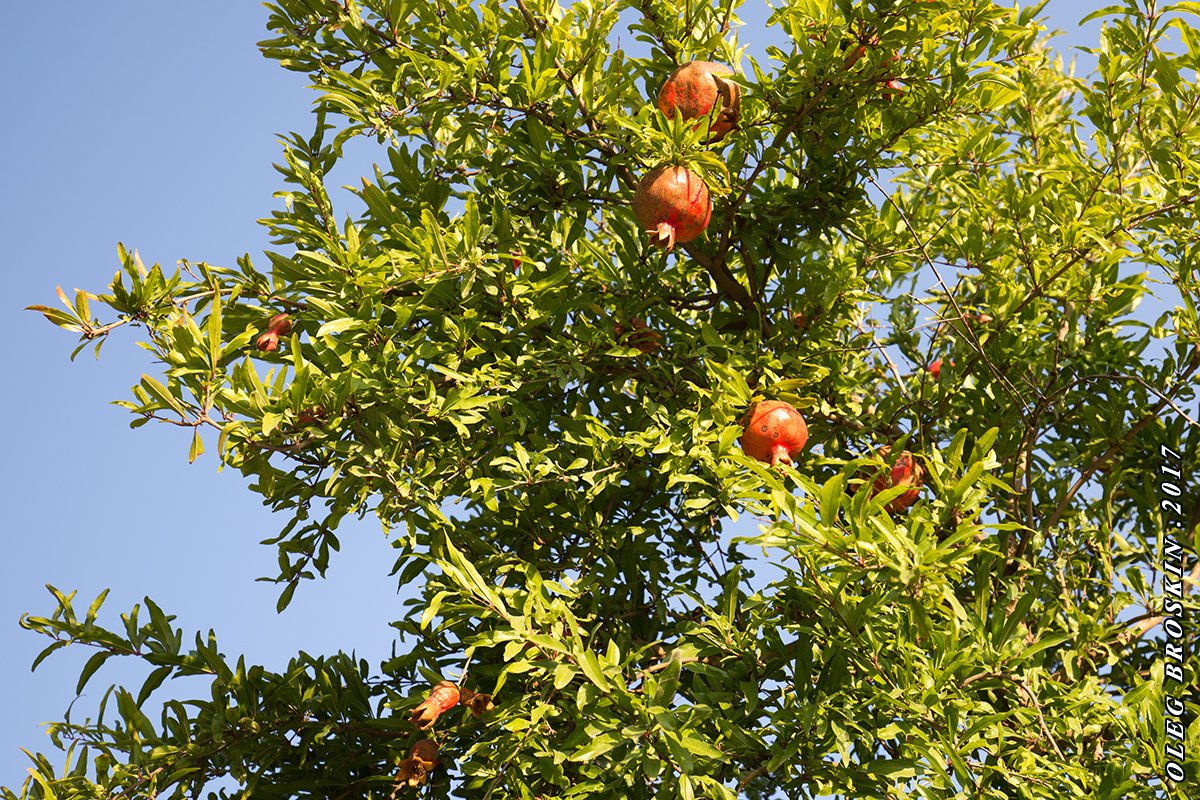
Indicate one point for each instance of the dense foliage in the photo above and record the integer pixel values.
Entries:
(487, 354)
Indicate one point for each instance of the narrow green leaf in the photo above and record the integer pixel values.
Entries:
(89, 669)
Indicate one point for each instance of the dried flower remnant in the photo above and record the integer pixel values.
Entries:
(478, 702)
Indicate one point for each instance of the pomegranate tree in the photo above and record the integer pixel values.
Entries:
(695, 88)
(671, 203)
(773, 431)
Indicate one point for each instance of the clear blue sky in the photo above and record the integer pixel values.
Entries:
(152, 124)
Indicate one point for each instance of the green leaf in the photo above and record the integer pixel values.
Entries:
(157, 390)
(1011, 621)
(197, 448)
(892, 769)
(668, 679)
(598, 746)
(590, 665)
(338, 326)
(94, 663)
(153, 681)
(214, 329)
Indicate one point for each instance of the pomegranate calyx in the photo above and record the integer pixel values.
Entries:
(267, 342)
(780, 455)
(663, 236)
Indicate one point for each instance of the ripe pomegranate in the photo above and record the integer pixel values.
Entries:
(695, 88)
(905, 471)
(773, 431)
(443, 697)
(672, 205)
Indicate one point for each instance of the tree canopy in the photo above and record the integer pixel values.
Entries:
(927, 235)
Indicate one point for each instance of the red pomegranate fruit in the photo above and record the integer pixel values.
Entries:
(905, 471)
(442, 697)
(773, 431)
(695, 88)
(672, 205)
(281, 324)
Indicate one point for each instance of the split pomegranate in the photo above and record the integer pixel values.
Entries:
(672, 205)
(905, 471)
(773, 431)
(422, 760)
(443, 697)
(695, 88)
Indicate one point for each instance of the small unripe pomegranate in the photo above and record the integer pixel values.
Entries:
(642, 337)
(773, 431)
(893, 89)
(695, 88)
(905, 471)
(935, 368)
(672, 205)
(443, 697)
(278, 325)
